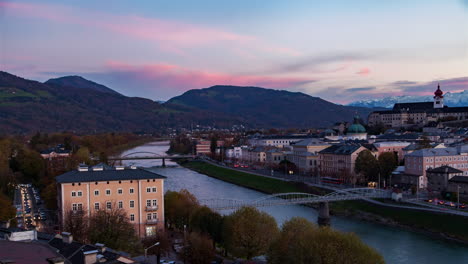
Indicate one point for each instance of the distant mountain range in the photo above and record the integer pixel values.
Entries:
(75, 104)
(450, 99)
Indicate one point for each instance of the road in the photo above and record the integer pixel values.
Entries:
(25, 198)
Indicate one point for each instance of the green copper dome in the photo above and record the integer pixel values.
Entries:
(356, 127)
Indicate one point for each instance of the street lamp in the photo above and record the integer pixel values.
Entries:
(146, 249)
(458, 197)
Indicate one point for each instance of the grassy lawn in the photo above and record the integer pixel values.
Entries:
(451, 225)
(259, 183)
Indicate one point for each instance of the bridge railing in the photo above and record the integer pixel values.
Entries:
(297, 198)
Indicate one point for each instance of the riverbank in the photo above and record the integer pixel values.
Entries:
(443, 226)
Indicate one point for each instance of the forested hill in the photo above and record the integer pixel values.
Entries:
(28, 106)
(267, 107)
(82, 106)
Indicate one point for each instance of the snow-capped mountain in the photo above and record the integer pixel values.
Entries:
(450, 99)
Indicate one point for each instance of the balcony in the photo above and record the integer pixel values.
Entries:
(151, 208)
(152, 221)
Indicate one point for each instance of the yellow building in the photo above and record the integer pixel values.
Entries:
(139, 192)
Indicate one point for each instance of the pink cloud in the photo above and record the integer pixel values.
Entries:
(181, 78)
(364, 71)
(172, 36)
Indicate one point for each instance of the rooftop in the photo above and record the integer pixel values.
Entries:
(434, 152)
(460, 179)
(15, 252)
(343, 149)
(103, 173)
(310, 142)
(444, 169)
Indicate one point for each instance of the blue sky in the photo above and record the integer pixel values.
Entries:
(339, 50)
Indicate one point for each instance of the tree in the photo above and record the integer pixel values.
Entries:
(199, 249)
(49, 194)
(388, 161)
(76, 223)
(82, 156)
(164, 246)
(249, 232)
(179, 207)
(300, 241)
(113, 228)
(213, 145)
(286, 166)
(291, 245)
(30, 164)
(206, 221)
(7, 211)
(366, 164)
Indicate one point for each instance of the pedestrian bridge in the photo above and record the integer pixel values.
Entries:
(297, 198)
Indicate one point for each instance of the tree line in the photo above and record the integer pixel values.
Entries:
(248, 232)
(21, 162)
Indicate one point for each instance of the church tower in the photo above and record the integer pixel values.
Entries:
(438, 98)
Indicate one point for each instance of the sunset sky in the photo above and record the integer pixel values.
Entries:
(341, 51)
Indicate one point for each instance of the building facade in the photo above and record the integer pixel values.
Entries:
(275, 141)
(203, 147)
(418, 114)
(339, 161)
(419, 161)
(139, 192)
(438, 178)
(305, 154)
(392, 146)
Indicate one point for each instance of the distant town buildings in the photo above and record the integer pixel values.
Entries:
(139, 192)
(204, 146)
(418, 114)
(56, 152)
(276, 141)
(339, 161)
(418, 162)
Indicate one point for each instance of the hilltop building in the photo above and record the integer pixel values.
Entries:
(418, 114)
(139, 192)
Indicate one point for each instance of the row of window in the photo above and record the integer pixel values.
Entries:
(119, 191)
(149, 216)
(79, 206)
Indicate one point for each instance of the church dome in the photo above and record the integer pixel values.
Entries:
(356, 127)
(438, 92)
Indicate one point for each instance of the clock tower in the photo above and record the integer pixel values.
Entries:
(438, 98)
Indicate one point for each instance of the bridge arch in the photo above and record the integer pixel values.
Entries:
(141, 152)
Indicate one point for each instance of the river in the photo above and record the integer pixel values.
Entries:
(396, 245)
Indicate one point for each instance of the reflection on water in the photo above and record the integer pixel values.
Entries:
(397, 246)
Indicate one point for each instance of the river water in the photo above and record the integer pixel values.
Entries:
(396, 245)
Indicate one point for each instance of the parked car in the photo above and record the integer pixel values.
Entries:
(451, 204)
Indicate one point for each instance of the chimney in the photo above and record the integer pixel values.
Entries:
(90, 257)
(101, 247)
(67, 237)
